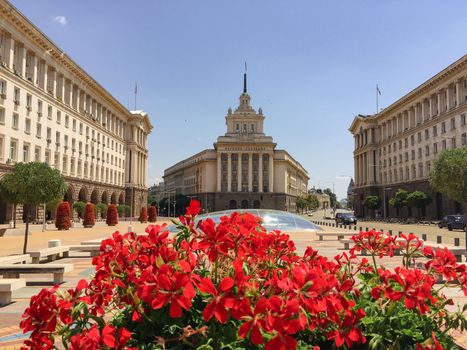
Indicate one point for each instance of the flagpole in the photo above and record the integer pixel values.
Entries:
(136, 92)
(377, 104)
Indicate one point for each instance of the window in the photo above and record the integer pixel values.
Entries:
(443, 144)
(244, 127)
(420, 170)
(427, 134)
(49, 135)
(413, 154)
(453, 142)
(81, 128)
(3, 88)
(406, 156)
(64, 164)
(419, 153)
(406, 142)
(80, 147)
(252, 128)
(28, 102)
(427, 151)
(237, 127)
(59, 117)
(73, 144)
(74, 124)
(419, 137)
(16, 96)
(47, 157)
(27, 126)
(464, 139)
(412, 140)
(2, 143)
(37, 154)
(39, 108)
(453, 123)
(13, 149)
(57, 138)
(428, 167)
(15, 121)
(463, 119)
(435, 130)
(443, 127)
(2, 115)
(65, 140)
(49, 112)
(67, 121)
(26, 152)
(38, 130)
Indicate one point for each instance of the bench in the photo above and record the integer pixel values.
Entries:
(93, 249)
(15, 259)
(97, 241)
(7, 286)
(14, 270)
(50, 253)
(339, 235)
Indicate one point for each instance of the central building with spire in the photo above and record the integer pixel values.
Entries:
(244, 170)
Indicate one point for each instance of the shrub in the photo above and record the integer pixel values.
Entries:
(236, 286)
(63, 216)
(89, 219)
(102, 209)
(123, 210)
(79, 207)
(112, 215)
(143, 215)
(152, 214)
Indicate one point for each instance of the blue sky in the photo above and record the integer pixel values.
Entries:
(312, 65)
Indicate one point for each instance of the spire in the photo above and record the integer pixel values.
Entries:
(244, 80)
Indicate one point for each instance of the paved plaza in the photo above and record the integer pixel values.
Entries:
(10, 315)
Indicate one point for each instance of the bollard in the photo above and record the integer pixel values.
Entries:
(360, 228)
(54, 243)
(439, 239)
(355, 228)
(424, 236)
(130, 228)
(457, 242)
(366, 229)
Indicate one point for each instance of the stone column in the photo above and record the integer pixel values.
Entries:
(35, 80)
(260, 172)
(423, 110)
(458, 93)
(23, 60)
(9, 52)
(355, 168)
(219, 171)
(54, 83)
(271, 172)
(250, 172)
(63, 82)
(44, 76)
(239, 172)
(229, 172)
(430, 105)
(448, 97)
(439, 102)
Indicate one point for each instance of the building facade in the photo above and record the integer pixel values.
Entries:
(52, 111)
(396, 148)
(244, 170)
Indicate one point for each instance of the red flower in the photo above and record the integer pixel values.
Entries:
(430, 344)
(254, 320)
(348, 331)
(176, 290)
(193, 209)
(222, 300)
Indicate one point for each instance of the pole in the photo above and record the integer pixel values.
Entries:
(384, 204)
(377, 104)
(44, 225)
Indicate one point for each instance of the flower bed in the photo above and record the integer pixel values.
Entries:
(236, 286)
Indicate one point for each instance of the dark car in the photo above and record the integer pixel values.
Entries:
(453, 222)
(345, 219)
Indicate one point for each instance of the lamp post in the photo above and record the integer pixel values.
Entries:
(334, 207)
(384, 200)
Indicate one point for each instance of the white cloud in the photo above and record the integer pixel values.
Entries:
(61, 20)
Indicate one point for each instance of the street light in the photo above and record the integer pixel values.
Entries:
(331, 182)
(384, 200)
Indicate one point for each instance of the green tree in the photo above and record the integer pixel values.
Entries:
(8, 193)
(449, 175)
(79, 207)
(301, 204)
(399, 200)
(332, 197)
(102, 209)
(312, 201)
(34, 184)
(372, 202)
(418, 199)
(123, 210)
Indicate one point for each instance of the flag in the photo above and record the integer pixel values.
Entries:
(377, 90)
(136, 88)
(245, 67)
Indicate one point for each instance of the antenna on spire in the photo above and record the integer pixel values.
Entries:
(244, 80)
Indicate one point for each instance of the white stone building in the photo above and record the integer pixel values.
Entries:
(52, 111)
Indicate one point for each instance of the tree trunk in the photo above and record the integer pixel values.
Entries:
(14, 215)
(26, 232)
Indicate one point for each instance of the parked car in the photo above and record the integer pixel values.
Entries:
(345, 219)
(453, 222)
